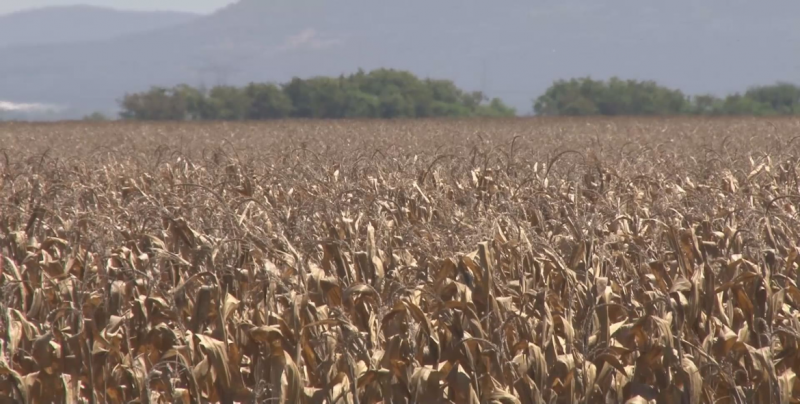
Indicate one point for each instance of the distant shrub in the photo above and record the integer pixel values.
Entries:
(96, 117)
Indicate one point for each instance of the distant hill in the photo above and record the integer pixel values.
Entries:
(512, 49)
(58, 25)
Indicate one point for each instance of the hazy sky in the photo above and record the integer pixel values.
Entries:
(198, 6)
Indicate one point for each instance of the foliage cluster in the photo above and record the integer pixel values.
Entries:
(382, 93)
(585, 96)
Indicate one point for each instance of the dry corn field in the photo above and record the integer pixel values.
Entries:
(519, 261)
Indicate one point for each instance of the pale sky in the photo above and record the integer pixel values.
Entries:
(197, 6)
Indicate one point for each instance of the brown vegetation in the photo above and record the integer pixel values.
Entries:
(510, 261)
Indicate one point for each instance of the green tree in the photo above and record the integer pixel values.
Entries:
(495, 109)
(157, 104)
(446, 109)
(782, 98)
(738, 104)
(573, 97)
(444, 91)
(394, 105)
(706, 104)
(228, 103)
(328, 97)
(579, 106)
(196, 102)
(585, 96)
(96, 117)
(360, 105)
(401, 94)
(382, 93)
(300, 94)
(267, 101)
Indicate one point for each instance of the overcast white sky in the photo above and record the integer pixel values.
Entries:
(197, 6)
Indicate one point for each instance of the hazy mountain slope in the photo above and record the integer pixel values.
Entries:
(513, 50)
(81, 23)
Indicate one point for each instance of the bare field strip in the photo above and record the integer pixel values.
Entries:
(527, 260)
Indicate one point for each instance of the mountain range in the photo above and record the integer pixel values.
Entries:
(513, 49)
(65, 24)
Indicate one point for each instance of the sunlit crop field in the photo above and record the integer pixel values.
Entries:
(529, 260)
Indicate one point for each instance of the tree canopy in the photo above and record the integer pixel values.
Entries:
(584, 96)
(388, 93)
(382, 93)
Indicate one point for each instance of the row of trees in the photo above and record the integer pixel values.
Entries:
(585, 96)
(380, 93)
(387, 93)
